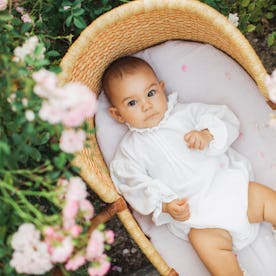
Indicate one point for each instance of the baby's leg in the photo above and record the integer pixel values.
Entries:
(261, 203)
(214, 247)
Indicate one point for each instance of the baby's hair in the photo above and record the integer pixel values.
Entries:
(118, 68)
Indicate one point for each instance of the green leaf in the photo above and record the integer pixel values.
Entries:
(54, 175)
(271, 39)
(251, 7)
(78, 12)
(245, 3)
(8, 27)
(26, 27)
(55, 69)
(269, 15)
(60, 160)
(68, 20)
(53, 53)
(4, 147)
(5, 16)
(250, 28)
(79, 22)
(33, 153)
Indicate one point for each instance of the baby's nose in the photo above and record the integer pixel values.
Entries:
(147, 105)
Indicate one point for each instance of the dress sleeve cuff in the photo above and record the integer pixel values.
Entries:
(158, 216)
(217, 128)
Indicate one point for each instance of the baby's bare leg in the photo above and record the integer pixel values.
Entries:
(214, 247)
(261, 203)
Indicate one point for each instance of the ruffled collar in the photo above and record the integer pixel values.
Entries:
(172, 100)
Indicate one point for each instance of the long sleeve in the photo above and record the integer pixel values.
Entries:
(142, 192)
(220, 121)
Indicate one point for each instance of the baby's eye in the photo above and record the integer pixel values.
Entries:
(132, 103)
(151, 93)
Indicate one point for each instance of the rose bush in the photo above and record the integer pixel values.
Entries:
(45, 210)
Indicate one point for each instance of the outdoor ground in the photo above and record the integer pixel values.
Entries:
(127, 259)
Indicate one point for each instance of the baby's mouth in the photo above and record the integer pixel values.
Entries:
(151, 116)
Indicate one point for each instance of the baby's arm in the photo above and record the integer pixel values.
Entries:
(178, 209)
(220, 121)
(198, 139)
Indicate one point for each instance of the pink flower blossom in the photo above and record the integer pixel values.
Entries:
(46, 83)
(70, 105)
(75, 230)
(72, 141)
(70, 209)
(31, 255)
(3, 4)
(75, 262)
(87, 208)
(76, 189)
(109, 236)
(101, 268)
(49, 231)
(69, 213)
(63, 251)
(20, 10)
(79, 104)
(25, 236)
(28, 48)
(50, 112)
(271, 86)
(95, 246)
(26, 18)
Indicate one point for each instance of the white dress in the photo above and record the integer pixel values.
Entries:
(154, 165)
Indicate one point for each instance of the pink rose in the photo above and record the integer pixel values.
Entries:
(95, 246)
(69, 213)
(78, 105)
(26, 18)
(46, 83)
(75, 262)
(50, 112)
(3, 4)
(63, 251)
(49, 231)
(30, 254)
(102, 267)
(109, 236)
(76, 189)
(87, 208)
(72, 141)
(70, 209)
(75, 230)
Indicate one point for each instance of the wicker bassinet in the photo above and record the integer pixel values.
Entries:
(123, 31)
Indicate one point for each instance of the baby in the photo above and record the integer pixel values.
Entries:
(176, 163)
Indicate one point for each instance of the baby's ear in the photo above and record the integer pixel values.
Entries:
(162, 84)
(114, 112)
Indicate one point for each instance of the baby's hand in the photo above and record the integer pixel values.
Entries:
(178, 209)
(198, 139)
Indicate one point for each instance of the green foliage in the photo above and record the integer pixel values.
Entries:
(254, 15)
(31, 161)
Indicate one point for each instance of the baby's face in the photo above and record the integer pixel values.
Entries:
(138, 99)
